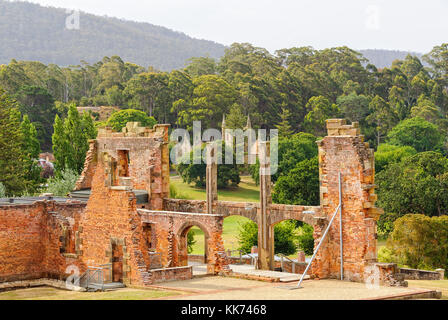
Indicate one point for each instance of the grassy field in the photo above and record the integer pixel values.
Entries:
(439, 285)
(46, 293)
(247, 191)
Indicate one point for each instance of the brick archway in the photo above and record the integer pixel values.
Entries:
(182, 239)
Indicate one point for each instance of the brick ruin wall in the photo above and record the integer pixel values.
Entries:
(31, 239)
(31, 236)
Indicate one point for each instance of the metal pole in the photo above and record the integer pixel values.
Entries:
(340, 227)
(318, 247)
(338, 210)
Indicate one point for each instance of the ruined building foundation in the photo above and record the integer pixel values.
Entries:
(130, 224)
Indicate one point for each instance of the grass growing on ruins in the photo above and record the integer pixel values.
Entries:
(47, 293)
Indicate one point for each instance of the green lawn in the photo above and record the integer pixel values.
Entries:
(247, 191)
(47, 293)
(439, 285)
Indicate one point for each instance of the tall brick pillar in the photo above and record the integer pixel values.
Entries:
(265, 232)
(211, 176)
(344, 151)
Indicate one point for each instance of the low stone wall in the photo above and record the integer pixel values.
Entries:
(414, 274)
(299, 267)
(33, 284)
(172, 274)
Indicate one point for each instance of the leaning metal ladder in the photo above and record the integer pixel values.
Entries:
(338, 210)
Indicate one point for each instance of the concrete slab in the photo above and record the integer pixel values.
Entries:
(223, 288)
(249, 270)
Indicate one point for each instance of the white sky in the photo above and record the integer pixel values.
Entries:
(413, 25)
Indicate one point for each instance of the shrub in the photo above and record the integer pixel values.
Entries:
(175, 194)
(64, 184)
(419, 241)
(285, 237)
(2, 190)
(190, 241)
(306, 239)
(417, 133)
(119, 119)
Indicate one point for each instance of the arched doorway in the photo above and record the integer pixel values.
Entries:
(240, 239)
(194, 253)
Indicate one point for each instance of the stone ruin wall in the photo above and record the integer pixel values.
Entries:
(112, 217)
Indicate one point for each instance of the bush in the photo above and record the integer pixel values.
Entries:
(64, 184)
(2, 191)
(417, 133)
(416, 185)
(119, 119)
(420, 242)
(285, 237)
(190, 241)
(306, 239)
(388, 154)
(175, 194)
(291, 151)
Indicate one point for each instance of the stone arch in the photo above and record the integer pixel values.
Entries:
(181, 236)
(247, 210)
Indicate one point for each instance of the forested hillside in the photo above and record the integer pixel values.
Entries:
(32, 32)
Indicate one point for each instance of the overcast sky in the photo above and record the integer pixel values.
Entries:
(413, 25)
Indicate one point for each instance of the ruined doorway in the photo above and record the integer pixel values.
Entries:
(123, 163)
(198, 255)
(117, 263)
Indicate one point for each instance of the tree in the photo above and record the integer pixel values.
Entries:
(427, 110)
(228, 174)
(38, 104)
(382, 116)
(420, 242)
(291, 151)
(200, 66)
(31, 148)
(60, 144)
(118, 119)
(417, 133)
(388, 154)
(70, 140)
(212, 96)
(415, 185)
(319, 110)
(13, 165)
(300, 185)
(150, 93)
(354, 107)
(283, 127)
(236, 118)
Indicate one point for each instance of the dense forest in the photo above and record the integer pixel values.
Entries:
(300, 87)
(32, 32)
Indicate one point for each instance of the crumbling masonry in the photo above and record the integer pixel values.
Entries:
(130, 224)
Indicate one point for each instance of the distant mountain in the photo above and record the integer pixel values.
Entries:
(32, 32)
(384, 58)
